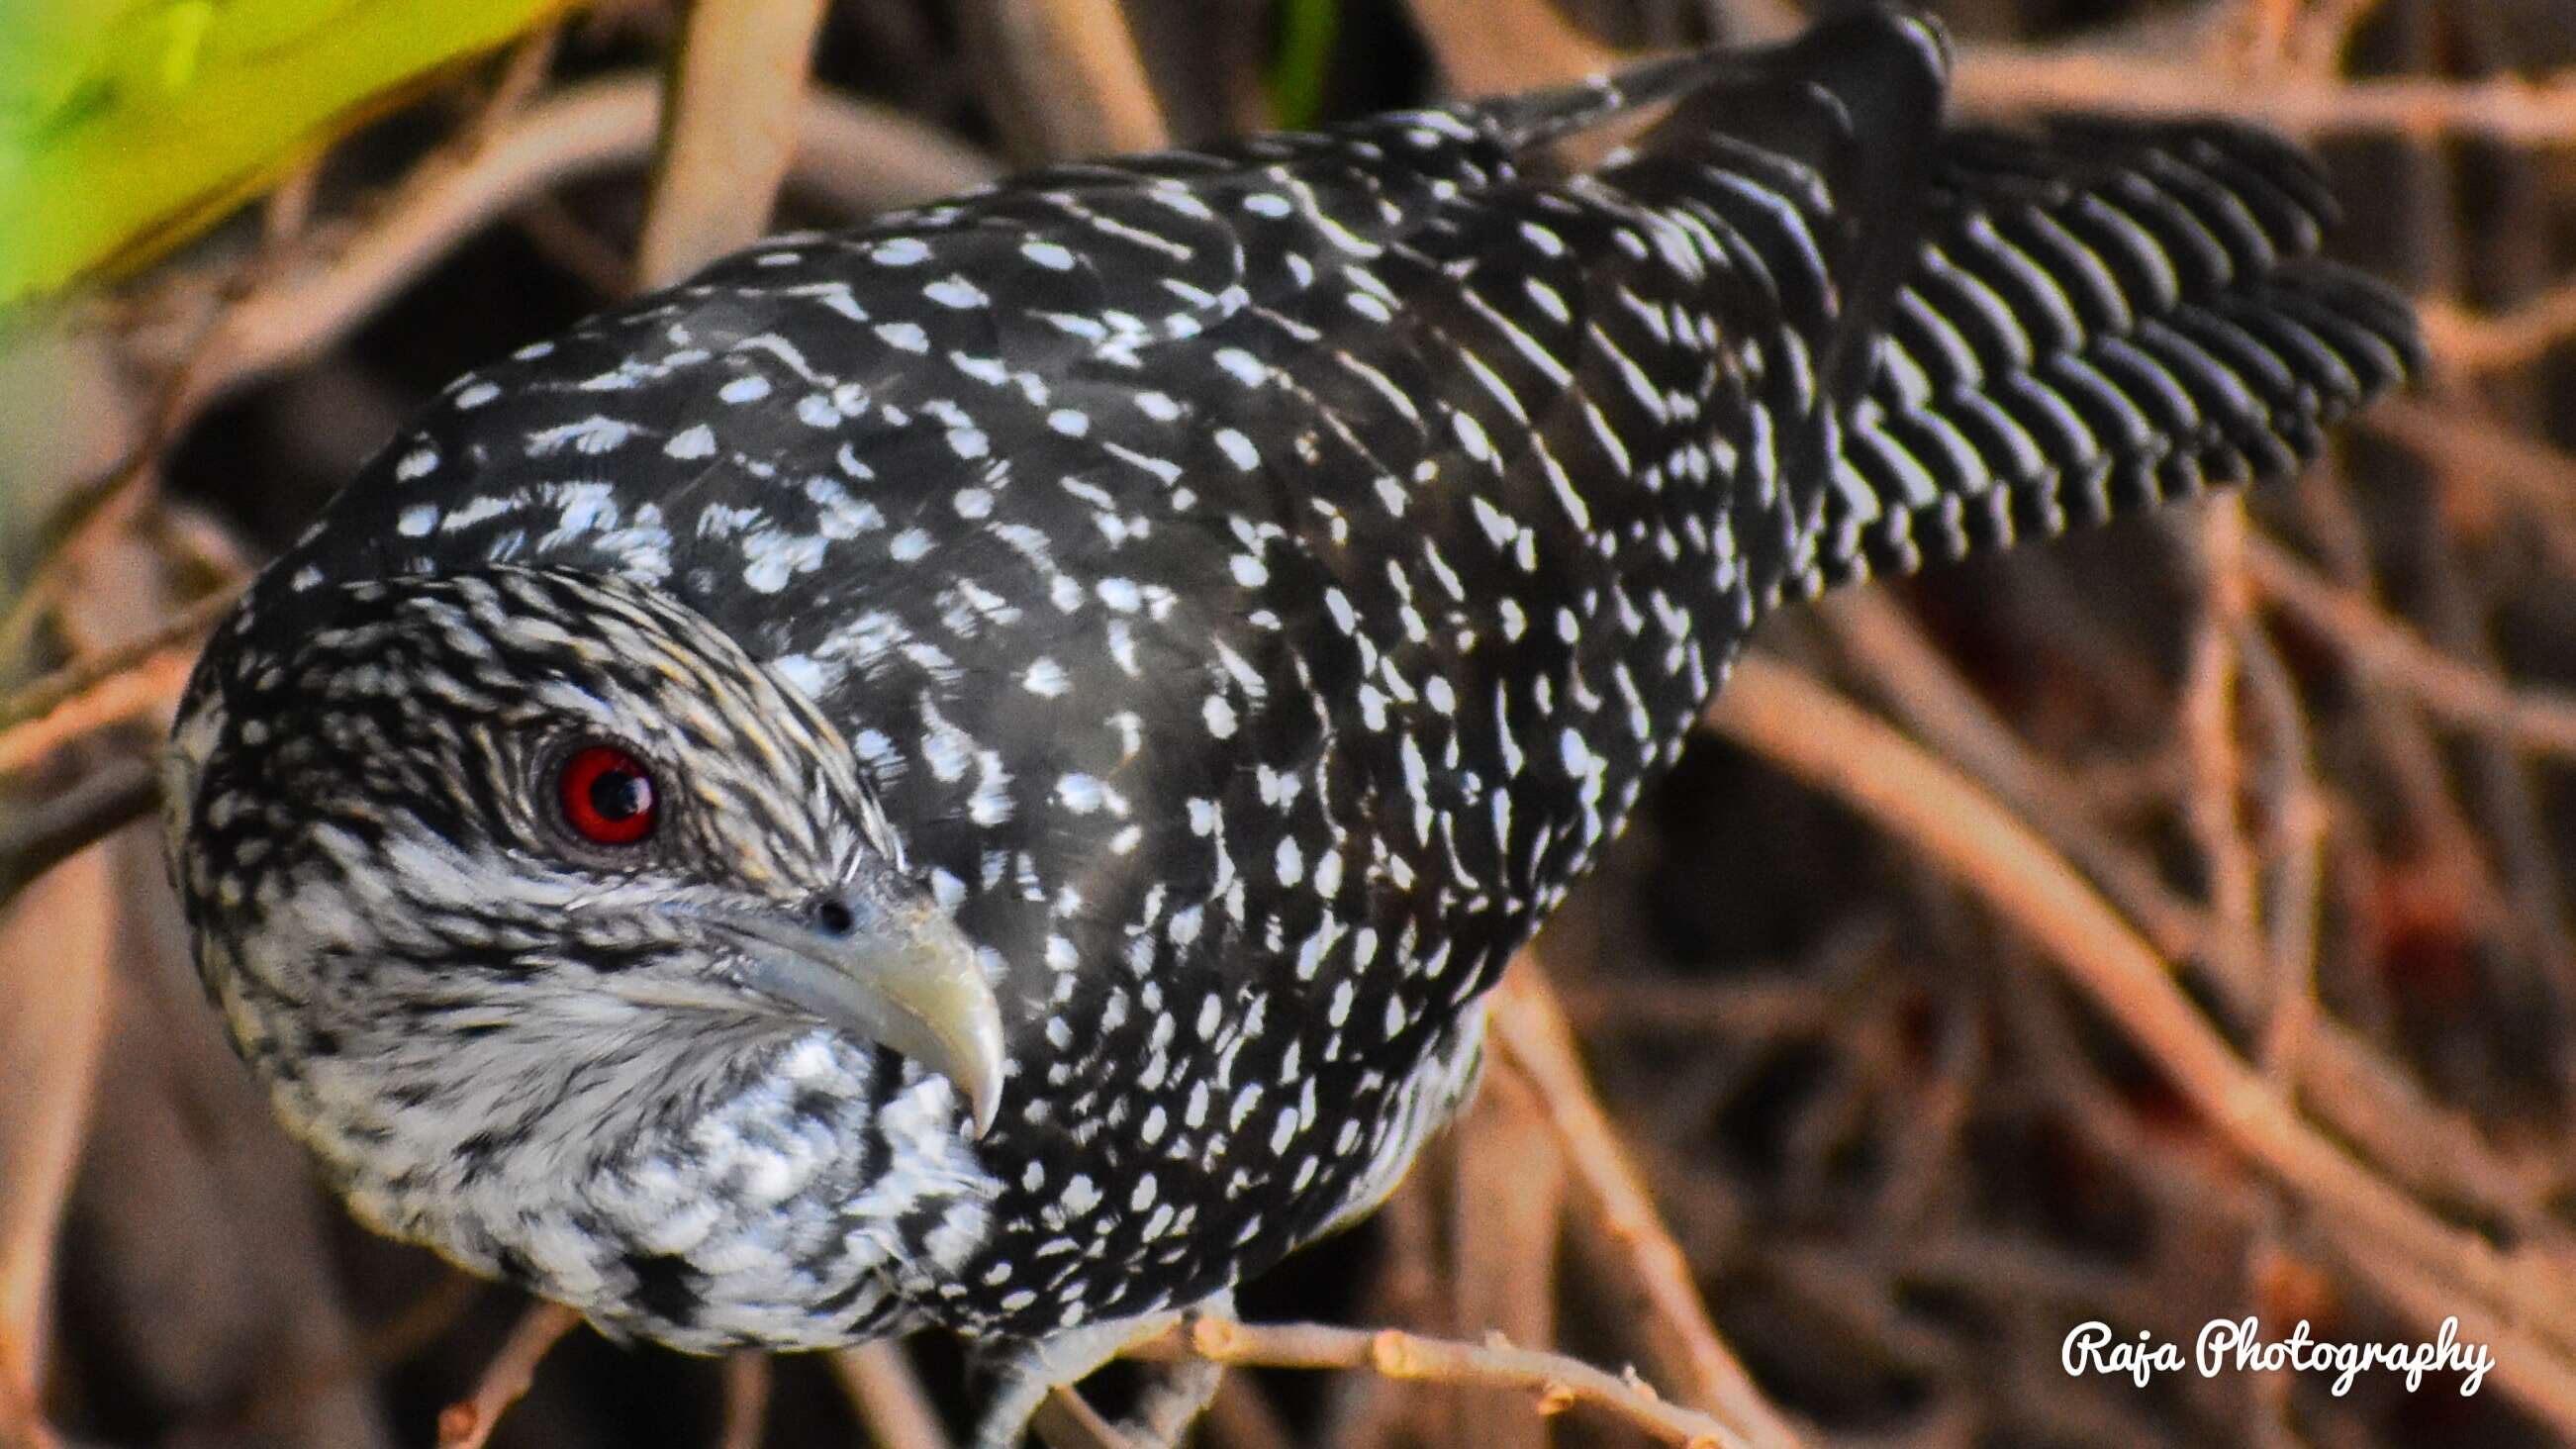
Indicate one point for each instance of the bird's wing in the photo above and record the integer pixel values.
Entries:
(2101, 317)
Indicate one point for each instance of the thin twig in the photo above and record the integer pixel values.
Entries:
(1489, 46)
(737, 83)
(1995, 79)
(2391, 653)
(887, 1394)
(1507, 1216)
(746, 1401)
(1528, 1025)
(855, 155)
(2208, 720)
(468, 1423)
(149, 684)
(40, 837)
(56, 950)
(52, 691)
(1064, 76)
(1557, 1382)
(2493, 342)
(1807, 730)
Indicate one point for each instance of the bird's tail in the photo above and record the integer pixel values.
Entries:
(2102, 316)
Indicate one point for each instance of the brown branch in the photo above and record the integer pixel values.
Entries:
(2210, 805)
(746, 1400)
(54, 952)
(2389, 652)
(150, 683)
(57, 688)
(1065, 1420)
(1937, 703)
(1557, 1383)
(42, 836)
(2491, 343)
(1819, 737)
(1489, 46)
(854, 154)
(1507, 1215)
(1995, 79)
(468, 1423)
(887, 1395)
(737, 81)
(1528, 1025)
(1063, 76)
(2362, 1094)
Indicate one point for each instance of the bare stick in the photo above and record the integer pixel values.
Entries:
(1065, 76)
(55, 945)
(1557, 1383)
(1814, 734)
(1507, 1215)
(1485, 46)
(182, 628)
(1065, 1420)
(1527, 1024)
(2391, 653)
(1998, 79)
(857, 154)
(737, 83)
(151, 683)
(2210, 805)
(887, 1395)
(746, 1400)
(468, 1422)
(41, 837)
(2491, 343)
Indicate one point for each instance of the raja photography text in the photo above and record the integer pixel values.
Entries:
(2238, 1344)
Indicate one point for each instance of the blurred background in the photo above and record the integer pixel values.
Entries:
(2167, 927)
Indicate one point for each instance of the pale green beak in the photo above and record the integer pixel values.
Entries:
(908, 981)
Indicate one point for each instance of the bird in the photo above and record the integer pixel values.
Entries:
(976, 771)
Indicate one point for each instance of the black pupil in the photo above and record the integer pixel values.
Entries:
(620, 794)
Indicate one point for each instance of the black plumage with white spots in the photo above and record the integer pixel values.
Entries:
(1253, 581)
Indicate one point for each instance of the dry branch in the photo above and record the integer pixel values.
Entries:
(468, 1423)
(746, 1401)
(856, 155)
(36, 839)
(1993, 79)
(887, 1395)
(2392, 654)
(1507, 1213)
(81, 675)
(1806, 730)
(1063, 76)
(2487, 343)
(54, 943)
(1489, 46)
(737, 84)
(148, 686)
(1527, 1023)
(1557, 1383)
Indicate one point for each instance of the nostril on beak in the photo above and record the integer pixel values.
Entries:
(833, 917)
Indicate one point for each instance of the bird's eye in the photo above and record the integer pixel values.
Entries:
(607, 795)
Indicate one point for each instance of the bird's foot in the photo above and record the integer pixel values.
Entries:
(1174, 1395)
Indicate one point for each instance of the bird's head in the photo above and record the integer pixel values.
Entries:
(456, 845)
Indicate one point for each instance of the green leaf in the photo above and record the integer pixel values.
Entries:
(127, 126)
(1305, 56)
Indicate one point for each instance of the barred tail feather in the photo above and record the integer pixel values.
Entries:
(2100, 318)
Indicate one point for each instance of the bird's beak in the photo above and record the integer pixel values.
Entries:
(908, 981)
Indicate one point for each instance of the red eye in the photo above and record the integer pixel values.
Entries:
(607, 795)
